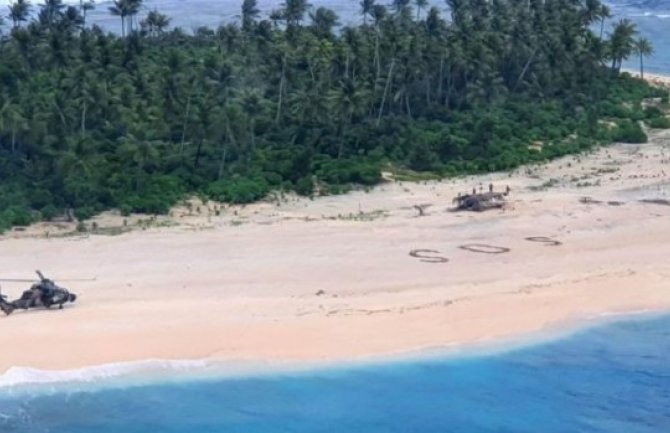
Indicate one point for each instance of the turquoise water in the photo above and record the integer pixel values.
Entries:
(610, 379)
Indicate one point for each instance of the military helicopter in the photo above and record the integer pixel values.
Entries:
(44, 293)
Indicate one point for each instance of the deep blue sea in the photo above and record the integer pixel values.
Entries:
(612, 378)
(651, 16)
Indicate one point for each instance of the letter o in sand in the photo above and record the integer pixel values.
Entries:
(420, 254)
(545, 240)
(484, 248)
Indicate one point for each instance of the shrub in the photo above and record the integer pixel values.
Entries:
(49, 212)
(652, 112)
(305, 186)
(17, 216)
(660, 122)
(350, 170)
(84, 213)
(629, 132)
(238, 190)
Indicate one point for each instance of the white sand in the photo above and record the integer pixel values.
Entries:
(244, 287)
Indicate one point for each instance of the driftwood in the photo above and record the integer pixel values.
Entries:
(421, 208)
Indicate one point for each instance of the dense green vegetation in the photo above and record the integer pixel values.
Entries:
(92, 121)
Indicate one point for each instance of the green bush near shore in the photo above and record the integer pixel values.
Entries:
(660, 122)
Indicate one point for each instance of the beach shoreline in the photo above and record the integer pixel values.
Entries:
(656, 79)
(338, 278)
(33, 381)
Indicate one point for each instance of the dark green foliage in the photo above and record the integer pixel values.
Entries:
(91, 121)
(629, 131)
(346, 171)
(15, 216)
(652, 112)
(238, 190)
(305, 186)
(660, 122)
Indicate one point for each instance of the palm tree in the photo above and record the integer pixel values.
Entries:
(294, 11)
(155, 23)
(13, 120)
(250, 12)
(605, 13)
(345, 102)
(134, 7)
(126, 10)
(643, 48)
(85, 6)
(400, 5)
(19, 11)
(51, 10)
(420, 4)
(366, 9)
(622, 42)
(120, 9)
(323, 21)
(591, 11)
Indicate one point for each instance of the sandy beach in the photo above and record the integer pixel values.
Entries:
(655, 79)
(332, 278)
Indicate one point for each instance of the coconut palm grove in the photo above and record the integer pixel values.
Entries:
(298, 101)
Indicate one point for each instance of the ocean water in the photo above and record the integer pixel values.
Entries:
(651, 16)
(608, 379)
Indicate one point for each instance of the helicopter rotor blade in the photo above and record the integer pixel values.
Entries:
(16, 280)
(24, 280)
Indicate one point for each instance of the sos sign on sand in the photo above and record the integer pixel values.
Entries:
(433, 256)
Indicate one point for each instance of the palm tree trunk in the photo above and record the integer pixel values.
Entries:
(641, 67)
(13, 138)
(281, 90)
(340, 146)
(198, 151)
(83, 120)
(427, 80)
(525, 69)
(407, 104)
(222, 163)
(183, 129)
(230, 136)
(377, 60)
(386, 89)
(441, 78)
(252, 132)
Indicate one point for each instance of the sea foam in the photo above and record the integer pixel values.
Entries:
(129, 372)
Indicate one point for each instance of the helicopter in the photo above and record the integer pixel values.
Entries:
(44, 293)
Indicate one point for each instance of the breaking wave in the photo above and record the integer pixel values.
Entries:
(26, 379)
